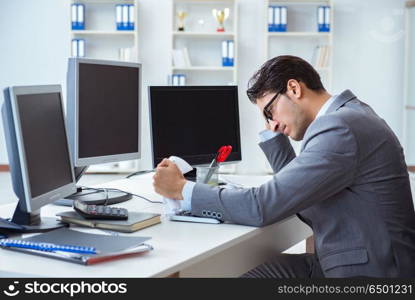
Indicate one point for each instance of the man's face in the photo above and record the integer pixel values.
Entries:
(288, 115)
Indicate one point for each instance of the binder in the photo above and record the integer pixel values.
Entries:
(271, 20)
(175, 80)
(81, 17)
(225, 59)
(75, 47)
(230, 53)
(182, 79)
(106, 247)
(277, 18)
(74, 14)
(118, 16)
(327, 19)
(320, 18)
(81, 48)
(125, 17)
(283, 24)
(131, 17)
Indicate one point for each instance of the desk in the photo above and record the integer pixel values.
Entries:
(194, 250)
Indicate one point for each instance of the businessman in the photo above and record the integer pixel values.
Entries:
(349, 183)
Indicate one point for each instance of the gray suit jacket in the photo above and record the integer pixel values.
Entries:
(349, 184)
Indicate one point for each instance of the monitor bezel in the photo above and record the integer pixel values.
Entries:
(81, 162)
(189, 87)
(35, 203)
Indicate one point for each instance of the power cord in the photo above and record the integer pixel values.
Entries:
(106, 190)
(140, 173)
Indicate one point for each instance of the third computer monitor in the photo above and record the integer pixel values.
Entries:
(193, 122)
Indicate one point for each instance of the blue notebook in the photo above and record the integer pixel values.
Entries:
(87, 248)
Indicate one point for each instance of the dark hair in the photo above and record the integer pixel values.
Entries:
(275, 73)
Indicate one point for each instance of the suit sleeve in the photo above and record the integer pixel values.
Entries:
(278, 151)
(325, 167)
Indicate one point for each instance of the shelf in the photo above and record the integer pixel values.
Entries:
(104, 1)
(204, 34)
(299, 2)
(96, 32)
(201, 68)
(299, 34)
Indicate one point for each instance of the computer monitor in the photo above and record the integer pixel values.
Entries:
(38, 151)
(193, 122)
(103, 113)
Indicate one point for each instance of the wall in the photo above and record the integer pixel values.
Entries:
(368, 59)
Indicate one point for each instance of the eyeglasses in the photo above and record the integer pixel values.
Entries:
(267, 109)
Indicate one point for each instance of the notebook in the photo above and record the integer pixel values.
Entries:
(106, 247)
(136, 221)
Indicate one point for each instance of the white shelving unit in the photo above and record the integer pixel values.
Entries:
(301, 39)
(203, 42)
(103, 41)
(409, 92)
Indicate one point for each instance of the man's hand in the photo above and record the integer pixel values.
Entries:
(168, 180)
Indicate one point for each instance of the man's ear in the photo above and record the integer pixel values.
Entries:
(294, 89)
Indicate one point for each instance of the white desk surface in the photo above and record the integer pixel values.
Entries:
(177, 245)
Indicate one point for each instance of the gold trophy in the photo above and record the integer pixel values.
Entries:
(181, 15)
(220, 16)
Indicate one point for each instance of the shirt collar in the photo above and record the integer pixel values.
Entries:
(326, 106)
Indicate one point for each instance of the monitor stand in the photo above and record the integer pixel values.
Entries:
(91, 196)
(24, 222)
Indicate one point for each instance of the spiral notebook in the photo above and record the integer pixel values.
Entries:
(78, 247)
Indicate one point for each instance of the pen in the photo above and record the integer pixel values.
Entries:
(220, 156)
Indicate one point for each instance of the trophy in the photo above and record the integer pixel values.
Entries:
(220, 16)
(181, 15)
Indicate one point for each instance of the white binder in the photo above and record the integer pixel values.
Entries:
(125, 17)
(131, 15)
(277, 16)
(81, 14)
(283, 16)
(320, 16)
(271, 20)
(182, 79)
(118, 15)
(230, 51)
(75, 48)
(81, 48)
(74, 13)
(327, 17)
(175, 79)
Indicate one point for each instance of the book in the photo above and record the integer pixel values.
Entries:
(136, 221)
(53, 243)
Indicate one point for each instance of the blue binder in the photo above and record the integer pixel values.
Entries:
(131, 17)
(118, 16)
(323, 18)
(231, 51)
(78, 16)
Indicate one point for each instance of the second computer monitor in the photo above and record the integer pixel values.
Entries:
(192, 122)
(103, 109)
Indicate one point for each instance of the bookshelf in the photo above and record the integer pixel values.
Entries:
(301, 38)
(203, 42)
(409, 89)
(104, 41)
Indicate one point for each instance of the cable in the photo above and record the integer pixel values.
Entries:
(140, 173)
(121, 191)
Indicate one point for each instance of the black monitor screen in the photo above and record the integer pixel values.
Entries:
(45, 142)
(194, 122)
(108, 110)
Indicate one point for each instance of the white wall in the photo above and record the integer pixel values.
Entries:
(368, 59)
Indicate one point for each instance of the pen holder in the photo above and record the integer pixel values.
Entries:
(211, 172)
